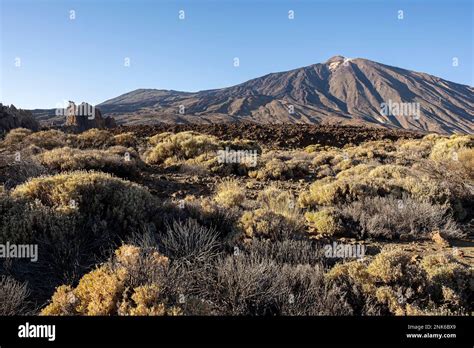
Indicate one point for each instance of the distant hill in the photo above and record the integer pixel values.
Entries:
(341, 90)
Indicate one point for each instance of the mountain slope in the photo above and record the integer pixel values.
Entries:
(339, 90)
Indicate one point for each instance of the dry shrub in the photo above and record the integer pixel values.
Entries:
(325, 221)
(48, 139)
(252, 285)
(13, 297)
(277, 169)
(279, 201)
(466, 160)
(17, 219)
(74, 218)
(13, 172)
(447, 148)
(184, 145)
(117, 288)
(453, 280)
(277, 216)
(337, 160)
(393, 218)
(415, 149)
(189, 241)
(15, 137)
(288, 251)
(402, 286)
(20, 138)
(160, 137)
(207, 213)
(230, 193)
(127, 139)
(308, 293)
(196, 153)
(191, 167)
(94, 138)
(368, 180)
(313, 148)
(262, 223)
(327, 157)
(100, 199)
(68, 159)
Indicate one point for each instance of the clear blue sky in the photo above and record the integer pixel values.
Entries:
(83, 59)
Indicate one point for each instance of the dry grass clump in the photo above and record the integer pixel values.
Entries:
(14, 172)
(160, 137)
(117, 288)
(20, 138)
(100, 198)
(289, 251)
(242, 144)
(277, 216)
(401, 285)
(207, 213)
(262, 223)
(184, 145)
(189, 241)
(17, 219)
(447, 148)
(278, 169)
(15, 137)
(229, 193)
(94, 138)
(48, 139)
(279, 201)
(13, 297)
(248, 284)
(393, 218)
(466, 160)
(325, 221)
(68, 159)
(127, 139)
(195, 153)
(368, 180)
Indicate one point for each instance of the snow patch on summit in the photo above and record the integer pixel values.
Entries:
(336, 64)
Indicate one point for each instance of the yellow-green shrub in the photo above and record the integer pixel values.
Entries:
(369, 180)
(94, 138)
(182, 145)
(277, 169)
(262, 223)
(447, 148)
(466, 160)
(68, 159)
(15, 136)
(404, 286)
(127, 139)
(281, 202)
(22, 220)
(158, 138)
(325, 221)
(117, 204)
(230, 193)
(108, 290)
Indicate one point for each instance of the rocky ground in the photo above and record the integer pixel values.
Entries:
(285, 136)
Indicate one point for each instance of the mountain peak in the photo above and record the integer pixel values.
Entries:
(340, 89)
(336, 59)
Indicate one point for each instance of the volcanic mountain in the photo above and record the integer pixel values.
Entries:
(341, 90)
